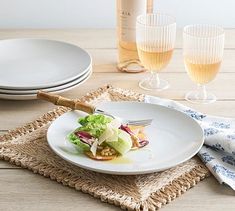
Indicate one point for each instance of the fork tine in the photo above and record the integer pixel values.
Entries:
(138, 124)
(148, 122)
(143, 122)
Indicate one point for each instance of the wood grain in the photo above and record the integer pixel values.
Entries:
(85, 38)
(22, 190)
(15, 195)
(91, 38)
(16, 113)
(180, 84)
(18, 117)
(104, 60)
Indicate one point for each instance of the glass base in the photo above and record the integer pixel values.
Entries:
(196, 97)
(152, 84)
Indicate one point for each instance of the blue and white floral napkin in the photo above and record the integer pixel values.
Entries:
(218, 151)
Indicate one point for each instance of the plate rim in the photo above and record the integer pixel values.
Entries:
(50, 84)
(33, 96)
(48, 89)
(136, 172)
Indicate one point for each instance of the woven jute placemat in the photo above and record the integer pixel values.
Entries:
(27, 147)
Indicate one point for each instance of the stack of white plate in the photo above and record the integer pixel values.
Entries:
(29, 65)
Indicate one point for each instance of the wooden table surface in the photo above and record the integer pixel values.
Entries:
(20, 189)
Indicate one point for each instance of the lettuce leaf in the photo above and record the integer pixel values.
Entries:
(94, 124)
(124, 143)
(81, 146)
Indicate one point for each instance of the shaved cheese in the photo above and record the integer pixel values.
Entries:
(114, 137)
(106, 134)
(94, 147)
(115, 123)
(111, 132)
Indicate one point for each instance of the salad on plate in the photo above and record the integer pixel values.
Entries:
(103, 138)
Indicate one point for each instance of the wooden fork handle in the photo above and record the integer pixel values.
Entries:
(62, 101)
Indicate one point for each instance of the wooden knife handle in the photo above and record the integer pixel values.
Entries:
(62, 101)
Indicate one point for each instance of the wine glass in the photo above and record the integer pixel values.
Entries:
(203, 51)
(155, 39)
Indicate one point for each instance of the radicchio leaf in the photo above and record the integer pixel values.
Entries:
(85, 137)
(141, 142)
(126, 129)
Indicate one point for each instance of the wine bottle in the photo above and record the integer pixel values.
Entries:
(127, 12)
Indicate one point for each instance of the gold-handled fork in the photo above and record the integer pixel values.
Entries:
(90, 109)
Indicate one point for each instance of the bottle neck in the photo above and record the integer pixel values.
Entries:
(150, 6)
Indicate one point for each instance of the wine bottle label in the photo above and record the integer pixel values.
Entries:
(128, 12)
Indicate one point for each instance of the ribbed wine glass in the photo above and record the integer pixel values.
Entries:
(155, 39)
(203, 51)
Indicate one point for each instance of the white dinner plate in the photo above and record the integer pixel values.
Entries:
(173, 138)
(51, 89)
(34, 96)
(40, 63)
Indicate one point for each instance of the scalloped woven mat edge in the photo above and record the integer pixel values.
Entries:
(157, 197)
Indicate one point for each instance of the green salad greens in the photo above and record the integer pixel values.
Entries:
(94, 124)
(81, 146)
(101, 137)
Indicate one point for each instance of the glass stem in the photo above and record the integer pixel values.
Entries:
(154, 79)
(202, 94)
